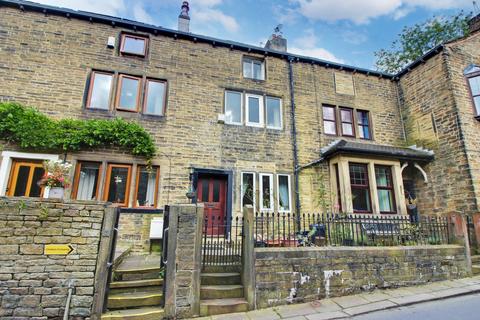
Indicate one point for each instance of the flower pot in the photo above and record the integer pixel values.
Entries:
(411, 206)
(56, 193)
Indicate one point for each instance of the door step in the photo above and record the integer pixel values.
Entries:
(226, 278)
(476, 259)
(146, 313)
(136, 286)
(476, 269)
(221, 306)
(133, 299)
(221, 291)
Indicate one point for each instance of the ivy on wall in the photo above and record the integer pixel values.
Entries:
(29, 128)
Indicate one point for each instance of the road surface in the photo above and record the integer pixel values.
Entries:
(459, 308)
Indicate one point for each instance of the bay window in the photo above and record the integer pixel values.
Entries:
(385, 192)
(283, 193)
(360, 187)
(266, 192)
(233, 107)
(248, 189)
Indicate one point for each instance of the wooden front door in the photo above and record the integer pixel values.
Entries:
(212, 192)
(24, 177)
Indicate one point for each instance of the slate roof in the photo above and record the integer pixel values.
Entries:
(412, 153)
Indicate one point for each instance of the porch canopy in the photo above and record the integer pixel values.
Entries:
(343, 147)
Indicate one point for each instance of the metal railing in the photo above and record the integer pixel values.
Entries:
(471, 232)
(222, 241)
(291, 230)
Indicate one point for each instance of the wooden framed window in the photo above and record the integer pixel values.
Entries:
(86, 181)
(360, 187)
(24, 177)
(474, 85)
(233, 107)
(248, 189)
(117, 184)
(253, 68)
(329, 120)
(99, 90)
(284, 193)
(146, 187)
(385, 192)
(133, 45)
(266, 192)
(155, 97)
(274, 113)
(363, 124)
(254, 110)
(128, 93)
(346, 122)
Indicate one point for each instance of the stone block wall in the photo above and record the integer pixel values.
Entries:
(34, 285)
(134, 231)
(294, 275)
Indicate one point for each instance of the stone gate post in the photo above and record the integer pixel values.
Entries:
(248, 256)
(459, 235)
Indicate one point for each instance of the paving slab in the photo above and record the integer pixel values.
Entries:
(436, 286)
(375, 296)
(325, 305)
(400, 292)
(263, 314)
(327, 315)
(451, 292)
(380, 305)
(231, 316)
(350, 301)
(293, 310)
(296, 318)
(453, 284)
(413, 299)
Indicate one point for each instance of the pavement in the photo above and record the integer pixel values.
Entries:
(354, 305)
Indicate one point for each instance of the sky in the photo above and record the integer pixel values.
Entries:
(343, 31)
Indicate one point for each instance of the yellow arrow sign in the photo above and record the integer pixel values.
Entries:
(57, 249)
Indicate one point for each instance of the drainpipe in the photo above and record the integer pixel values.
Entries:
(294, 136)
(69, 298)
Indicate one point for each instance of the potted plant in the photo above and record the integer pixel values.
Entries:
(55, 177)
(411, 202)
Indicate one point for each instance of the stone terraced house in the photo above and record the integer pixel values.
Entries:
(236, 124)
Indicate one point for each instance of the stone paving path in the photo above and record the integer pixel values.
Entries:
(345, 307)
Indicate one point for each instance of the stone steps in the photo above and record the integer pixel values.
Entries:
(146, 313)
(225, 278)
(476, 259)
(146, 285)
(476, 269)
(133, 299)
(221, 306)
(221, 291)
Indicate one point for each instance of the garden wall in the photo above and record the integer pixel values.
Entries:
(35, 285)
(293, 275)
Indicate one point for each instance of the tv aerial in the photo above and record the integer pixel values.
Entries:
(278, 29)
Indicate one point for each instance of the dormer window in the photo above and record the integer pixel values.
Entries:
(253, 68)
(133, 45)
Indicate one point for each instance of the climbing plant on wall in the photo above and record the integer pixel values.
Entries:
(29, 128)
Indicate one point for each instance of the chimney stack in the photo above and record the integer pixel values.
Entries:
(277, 42)
(183, 18)
(474, 24)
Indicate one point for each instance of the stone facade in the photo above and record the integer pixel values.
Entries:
(294, 275)
(35, 285)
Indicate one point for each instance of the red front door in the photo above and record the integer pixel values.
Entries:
(212, 193)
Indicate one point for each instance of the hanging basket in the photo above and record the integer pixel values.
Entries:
(411, 206)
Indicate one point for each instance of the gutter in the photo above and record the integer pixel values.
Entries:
(294, 136)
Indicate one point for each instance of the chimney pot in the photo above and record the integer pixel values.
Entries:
(184, 18)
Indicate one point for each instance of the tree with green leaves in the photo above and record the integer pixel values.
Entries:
(414, 41)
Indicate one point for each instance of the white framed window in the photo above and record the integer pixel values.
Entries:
(253, 68)
(248, 189)
(254, 110)
(266, 192)
(233, 107)
(274, 113)
(284, 193)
